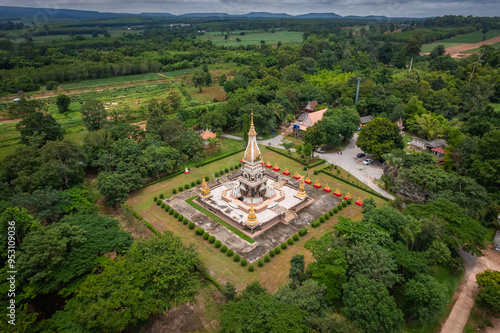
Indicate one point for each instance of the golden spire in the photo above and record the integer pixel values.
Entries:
(252, 217)
(301, 193)
(252, 131)
(317, 183)
(205, 190)
(252, 153)
(308, 180)
(327, 187)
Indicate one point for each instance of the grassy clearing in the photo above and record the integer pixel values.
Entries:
(473, 37)
(254, 37)
(111, 80)
(429, 47)
(218, 220)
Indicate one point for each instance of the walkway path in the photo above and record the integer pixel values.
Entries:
(455, 323)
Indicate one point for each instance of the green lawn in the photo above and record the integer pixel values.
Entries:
(253, 37)
(111, 80)
(429, 47)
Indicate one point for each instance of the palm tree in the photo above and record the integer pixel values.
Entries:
(429, 126)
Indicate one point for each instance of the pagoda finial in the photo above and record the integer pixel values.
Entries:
(252, 217)
(205, 190)
(252, 131)
(301, 193)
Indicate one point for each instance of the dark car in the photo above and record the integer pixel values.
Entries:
(381, 162)
(361, 155)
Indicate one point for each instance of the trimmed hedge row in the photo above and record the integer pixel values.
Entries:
(285, 153)
(355, 185)
(218, 158)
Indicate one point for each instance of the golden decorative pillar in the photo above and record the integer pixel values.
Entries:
(301, 192)
(252, 218)
(205, 190)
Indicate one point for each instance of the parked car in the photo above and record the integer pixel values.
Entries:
(320, 150)
(381, 162)
(361, 155)
(367, 161)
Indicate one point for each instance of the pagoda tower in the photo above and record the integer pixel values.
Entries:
(252, 218)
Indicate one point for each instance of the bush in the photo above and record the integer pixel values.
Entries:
(349, 201)
(243, 262)
(267, 258)
(211, 239)
(303, 231)
(185, 220)
(221, 172)
(335, 210)
(344, 203)
(260, 263)
(181, 189)
(231, 168)
(216, 174)
(206, 235)
(283, 246)
(218, 244)
(236, 167)
(180, 218)
(223, 248)
(316, 172)
(193, 184)
(199, 231)
(155, 198)
(251, 268)
(191, 225)
(207, 178)
(229, 253)
(176, 214)
(174, 191)
(339, 207)
(290, 241)
(162, 205)
(198, 181)
(171, 211)
(315, 224)
(236, 258)
(305, 168)
(158, 202)
(167, 208)
(327, 216)
(271, 253)
(295, 237)
(186, 186)
(277, 250)
(162, 196)
(322, 219)
(330, 213)
(226, 170)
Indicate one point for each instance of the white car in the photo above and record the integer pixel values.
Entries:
(367, 161)
(320, 150)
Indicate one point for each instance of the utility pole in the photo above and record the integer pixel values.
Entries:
(357, 91)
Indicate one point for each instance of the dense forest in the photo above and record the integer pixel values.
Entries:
(79, 271)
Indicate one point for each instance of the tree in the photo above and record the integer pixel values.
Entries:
(370, 307)
(36, 129)
(229, 291)
(429, 126)
(93, 114)
(23, 224)
(161, 273)
(489, 291)
(425, 297)
(379, 137)
(297, 269)
(412, 47)
(335, 323)
(437, 51)
(161, 159)
(190, 143)
(199, 79)
(63, 102)
(287, 145)
(114, 187)
(307, 151)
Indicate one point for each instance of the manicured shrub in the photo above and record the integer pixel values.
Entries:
(218, 244)
(330, 213)
(305, 168)
(271, 253)
(226, 170)
(339, 207)
(191, 225)
(315, 224)
(277, 250)
(295, 237)
(251, 268)
(167, 207)
(216, 174)
(155, 198)
(243, 262)
(267, 258)
(349, 201)
(322, 219)
(290, 241)
(303, 231)
(180, 218)
(344, 203)
(231, 168)
(198, 181)
(185, 220)
(186, 186)
(171, 211)
(236, 167)
(206, 235)
(316, 172)
(163, 205)
(221, 172)
(335, 210)
(211, 239)
(162, 196)
(181, 188)
(236, 258)
(327, 216)
(283, 246)
(176, 214)
(199, 231)
(174, 191)
(260, 263)
(158, 202)
(207, 178)
(223, 248)
(193, 184)
(229, 253)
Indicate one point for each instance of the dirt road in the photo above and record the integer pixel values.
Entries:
(455, 323)
(455, 51)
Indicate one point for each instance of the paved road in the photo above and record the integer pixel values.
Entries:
(347, 161)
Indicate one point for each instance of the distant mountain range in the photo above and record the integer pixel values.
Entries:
(25, 13)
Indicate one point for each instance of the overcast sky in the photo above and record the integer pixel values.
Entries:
(391, 8)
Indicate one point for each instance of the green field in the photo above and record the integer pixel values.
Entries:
(473, 37)
(429, 47)
(253, 37)
(111, 80)
(114, 32)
